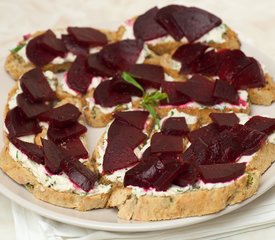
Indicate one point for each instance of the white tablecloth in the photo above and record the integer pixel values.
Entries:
(254, 20)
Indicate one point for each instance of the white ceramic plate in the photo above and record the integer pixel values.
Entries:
(106, 219)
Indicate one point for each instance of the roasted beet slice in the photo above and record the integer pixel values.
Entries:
(89, 36)
(195, 22)
(98, 68)
(123, 132)
(121, 55)
(206, 133)
(29, 108)
(174, 95)
(53, 156)
(225, 92)
(58, 135)
(262, 124)
(224, 120)
(188, 175)
(146, 27)
(153, 173)
(62, 116)
(79, 174)
(221, 172)
(162, 143)
(188, 54)
(134, 118)
(165, 17)
(118, 155)
(193, 89)
(33, 151)
(74, 46)
(37, 54)
(175, 126)
(53, 44)
(106, 96)
(18, 125)
(79, 77)
(75, 148)
(35, 85)
(147, 75)
(250, 77)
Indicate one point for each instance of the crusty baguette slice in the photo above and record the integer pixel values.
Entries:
(15, 65)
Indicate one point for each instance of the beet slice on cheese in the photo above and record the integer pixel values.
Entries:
(121, 55)
(188, 175)
(58, 135)
(80, 175)
(205, 133)
(75, 148)
(146, 27)
(35, 85)
(89, 36)
(147, 75)
(61, 116)
(224, 120)
(18, 125)
(79, 77)
(262, 124)
(33, 151)
(118, 155)
(221, 172)
(162, 143)
(134, 118)
(29, 108)
(74, 46)
(175, 126)
(225, 92)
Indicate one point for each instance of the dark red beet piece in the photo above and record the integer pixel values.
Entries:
(188, 54)
(148, 75)
(79, 77)
(225, 92)
(206, 133)
(35, 85)
(37, 54)
(146, 27)
(121, 55)
(74, 46)
(153, 173)
(29, 108)
(195, 22)
(262, 124)
(221, 172)
(250, 77)
(89, 36)
(224, 120)
(53, 156)
(98, 68)
(165, 17)
(175, 126)
(53, 44)
(126, 134)
(75, 148)
(79, 174)
(58, 135)
(33, 151)
(162, 143)
(118, 155)
(18, 125)
(105, 96)
(62, 116)
(188, 175)
(134, 118)
(174, 95)
(193, 89)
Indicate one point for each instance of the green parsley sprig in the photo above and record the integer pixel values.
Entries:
(150, 100)
(18, 48)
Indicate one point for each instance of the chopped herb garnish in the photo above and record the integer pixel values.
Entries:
(149, 101)
(16, 154)
(18, 48)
